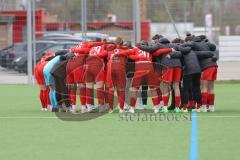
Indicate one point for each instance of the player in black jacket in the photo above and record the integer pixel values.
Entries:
(192, 72)
(59, 74)
(171, 72)
(209, 75)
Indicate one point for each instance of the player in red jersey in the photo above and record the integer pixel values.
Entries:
(116, 74)
(144, 72)
(41, 86)
(44, 90)
(75, 73)
(95, 74)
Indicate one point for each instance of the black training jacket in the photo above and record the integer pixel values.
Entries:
(209, 62)
(59, 69)
(162, 59)
(205, 62)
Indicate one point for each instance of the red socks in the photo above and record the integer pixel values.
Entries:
(110, 98)
(155, 101)
(133, 101)
(185, 106)
(42, 98)
(177, 101)
(211, 98)
(165, 100)
(204, 98)
(83, 95)
(121, 98)
(89, 95)
(100, 95)
(159, 93)
(193, 103)
(72, 95)
(199, 105)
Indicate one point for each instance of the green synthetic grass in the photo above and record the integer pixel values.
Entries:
(26, 133)
(218, 135)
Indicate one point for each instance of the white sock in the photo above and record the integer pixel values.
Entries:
(74, 107)
(203, 107)
(139, 101)
(211, 106)
(166, 107)
(49, 107)
(89, 106)
(156, 107)
(161, 104)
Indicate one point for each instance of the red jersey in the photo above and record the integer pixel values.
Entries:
(98, 51)
(140, 55)
(96, 55)
(84, 48)
(118, 56)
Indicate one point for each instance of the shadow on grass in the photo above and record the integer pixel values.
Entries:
(68, 116)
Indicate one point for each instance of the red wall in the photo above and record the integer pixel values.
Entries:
(21, 16)
(21, 22)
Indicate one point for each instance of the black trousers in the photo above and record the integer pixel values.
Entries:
(144, 94)
(61, 91)
(191, 83)
(172, 106)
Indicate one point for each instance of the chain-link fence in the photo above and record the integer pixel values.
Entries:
(68, 22)
(65, 16)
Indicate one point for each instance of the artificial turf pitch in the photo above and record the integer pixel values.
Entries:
(26, 133)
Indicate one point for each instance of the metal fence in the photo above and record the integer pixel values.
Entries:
(23, 23)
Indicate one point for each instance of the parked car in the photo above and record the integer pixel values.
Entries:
(92, 36)
(48, 35)
(5, 54)
(20, 63)
(63, 39)
(20, 49)
(60, 37)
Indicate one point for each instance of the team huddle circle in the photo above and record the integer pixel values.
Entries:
(116, 76)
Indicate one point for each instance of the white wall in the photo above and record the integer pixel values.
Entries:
(229, 48)
(167, 29)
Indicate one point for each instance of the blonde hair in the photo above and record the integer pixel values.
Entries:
(119, 41)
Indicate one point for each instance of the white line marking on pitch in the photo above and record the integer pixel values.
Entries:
(233, 116)
(28, 117)
(38, 117)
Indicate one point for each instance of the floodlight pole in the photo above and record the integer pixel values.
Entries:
(29, 42)
(171, 18)
(137, 13)
(84, 19)
(34, 31)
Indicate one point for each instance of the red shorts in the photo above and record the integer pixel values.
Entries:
(39, 73)
(75, 70)
(159, 70)
(144, 74)
(172, 74)
(116, 78)
(209, 74)
(158, 74)
(36, 72)
(94, 71)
